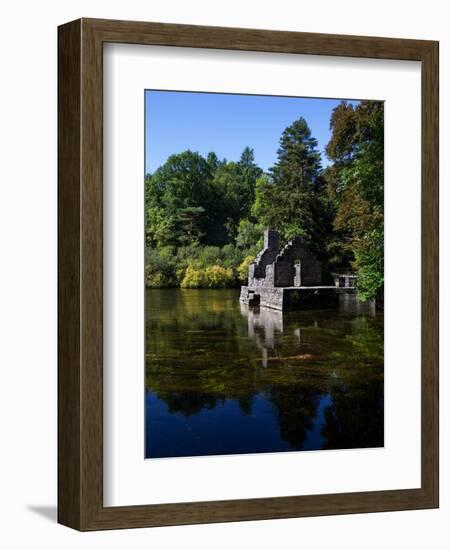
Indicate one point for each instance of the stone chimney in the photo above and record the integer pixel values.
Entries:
(271, 239)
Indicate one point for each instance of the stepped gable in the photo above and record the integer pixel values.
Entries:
(292, 266)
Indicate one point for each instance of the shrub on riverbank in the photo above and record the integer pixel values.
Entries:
(243, 269)
(197, 266)
(213, 276)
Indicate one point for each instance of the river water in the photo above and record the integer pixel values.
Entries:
(222, 378)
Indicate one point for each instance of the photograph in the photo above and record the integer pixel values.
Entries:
(264, 271)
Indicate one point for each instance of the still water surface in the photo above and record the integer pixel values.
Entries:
(223, 379)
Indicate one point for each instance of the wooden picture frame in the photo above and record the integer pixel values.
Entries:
(80, 271)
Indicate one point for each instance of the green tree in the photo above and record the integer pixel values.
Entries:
(234, 184)
(292, 199)
(213, 160)
(249, 236)
(188, 221)
(249, 173)
(180, 200)
(356, 187)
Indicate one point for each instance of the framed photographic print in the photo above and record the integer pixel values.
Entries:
(248, 274)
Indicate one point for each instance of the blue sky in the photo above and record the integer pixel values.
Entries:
(226, 123)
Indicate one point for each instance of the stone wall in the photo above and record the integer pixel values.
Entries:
(311, 272)
(274, 267)
(284, 273)
(298, 274)
(266, 256)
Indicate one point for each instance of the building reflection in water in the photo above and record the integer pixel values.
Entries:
(266, 325)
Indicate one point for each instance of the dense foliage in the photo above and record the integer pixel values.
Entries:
(356, 186)
(205, 216)
(292, 197)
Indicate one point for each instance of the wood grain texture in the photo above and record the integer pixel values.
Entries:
(430, 272)
(69, 247)
(80, 263)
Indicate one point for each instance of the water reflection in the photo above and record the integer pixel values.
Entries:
(263, 326)
(222, 378)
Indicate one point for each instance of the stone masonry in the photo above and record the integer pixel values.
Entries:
(287, 278)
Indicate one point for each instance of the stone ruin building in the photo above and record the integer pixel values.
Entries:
(287, 278)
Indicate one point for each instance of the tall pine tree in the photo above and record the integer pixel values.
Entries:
(293, 199)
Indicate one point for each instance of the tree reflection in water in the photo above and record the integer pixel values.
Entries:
(222, 378)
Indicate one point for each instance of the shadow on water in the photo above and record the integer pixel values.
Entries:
(223, 379)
